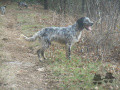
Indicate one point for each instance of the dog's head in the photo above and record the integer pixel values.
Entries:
(84, 22)
(3, 6)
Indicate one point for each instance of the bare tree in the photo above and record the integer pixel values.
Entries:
(105, 14)
(63, 6)
(83, 6)
(45, 4)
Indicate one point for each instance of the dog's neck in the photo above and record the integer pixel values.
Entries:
(75, 26)
(78, 31)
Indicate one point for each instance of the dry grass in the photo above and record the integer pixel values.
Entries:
(87, 58)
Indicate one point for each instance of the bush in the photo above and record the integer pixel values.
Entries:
(115, 53)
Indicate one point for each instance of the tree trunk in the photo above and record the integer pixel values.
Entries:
(64, 7)
(46, 4)
(83, 6)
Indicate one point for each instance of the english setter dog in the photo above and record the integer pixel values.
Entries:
(64, 35)
(3, 10)
(22, 4)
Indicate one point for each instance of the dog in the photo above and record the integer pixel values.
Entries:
(22, 4)
(3, 10)
(64, 35)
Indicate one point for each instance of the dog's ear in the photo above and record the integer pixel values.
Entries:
(26, 6)
(80, 23)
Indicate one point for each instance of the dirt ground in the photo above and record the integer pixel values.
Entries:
(19, 68)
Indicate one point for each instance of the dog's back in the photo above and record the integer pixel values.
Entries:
(3, 9)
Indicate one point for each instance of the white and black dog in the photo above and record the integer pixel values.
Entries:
(64, 35)
(3, 10)
(22, 4)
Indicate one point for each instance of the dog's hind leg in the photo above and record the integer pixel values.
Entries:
(38, 53)
(41, 51)
(43, 55)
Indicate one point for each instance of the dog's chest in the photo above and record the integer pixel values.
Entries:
(78, 36)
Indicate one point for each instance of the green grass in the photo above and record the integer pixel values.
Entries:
(1, 22)
(25, 18)
(28, 24)
(76, 74)
(32, 26)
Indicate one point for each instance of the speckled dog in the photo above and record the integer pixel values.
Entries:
(64, 35)
(3, 10)
(22, 4)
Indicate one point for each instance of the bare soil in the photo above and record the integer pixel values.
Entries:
(20, 69)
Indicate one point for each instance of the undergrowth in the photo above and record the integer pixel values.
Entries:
(78, 74)
(74, 74)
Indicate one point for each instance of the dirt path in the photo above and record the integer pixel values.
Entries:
(19, 68)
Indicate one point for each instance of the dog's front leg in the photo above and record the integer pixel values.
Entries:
(68, 51)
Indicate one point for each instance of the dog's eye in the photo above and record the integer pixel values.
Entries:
(86, 22)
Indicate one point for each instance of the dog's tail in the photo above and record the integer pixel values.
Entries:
(31, 39)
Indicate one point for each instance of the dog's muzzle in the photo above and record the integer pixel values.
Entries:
(88, 26)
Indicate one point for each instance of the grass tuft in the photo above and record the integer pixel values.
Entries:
(77, 73)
